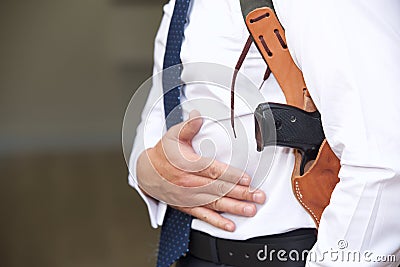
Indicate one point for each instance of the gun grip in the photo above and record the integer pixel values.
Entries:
(307, 154)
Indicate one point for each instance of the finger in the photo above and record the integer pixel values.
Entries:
(209, 190)
(220, 170)
(193, 180)
(209, 216)
(219, 188)
(177, 145)
(200, 191)
(190, 127)
(233, 206)
(243, 193)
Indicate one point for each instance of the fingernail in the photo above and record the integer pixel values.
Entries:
(258, 197)
(229, 227)
(248, 210)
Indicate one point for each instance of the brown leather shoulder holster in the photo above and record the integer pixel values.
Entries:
(313, 189)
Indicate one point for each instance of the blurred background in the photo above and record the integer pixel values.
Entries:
(68, 69)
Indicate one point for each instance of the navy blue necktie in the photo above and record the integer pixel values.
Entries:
(174, 239)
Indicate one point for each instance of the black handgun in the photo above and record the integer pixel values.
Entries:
(284, 125)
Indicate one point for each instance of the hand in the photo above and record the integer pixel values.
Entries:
(172, 172)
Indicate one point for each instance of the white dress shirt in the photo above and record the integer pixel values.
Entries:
(349, 54)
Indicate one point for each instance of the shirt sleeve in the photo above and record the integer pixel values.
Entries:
(150, 129)
(349, 54)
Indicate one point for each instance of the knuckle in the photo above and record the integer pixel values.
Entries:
(221, 224)
(183, 182)
(213, 171)
(245, 194)
(178, 178)
(217, 205)
(238, 209)
(213, 205)
(221, 189)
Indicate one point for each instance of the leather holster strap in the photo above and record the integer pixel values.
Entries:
(269, 37)
(313, 189)
(259, 251)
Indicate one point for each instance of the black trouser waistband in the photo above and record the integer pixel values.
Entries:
(281, 250)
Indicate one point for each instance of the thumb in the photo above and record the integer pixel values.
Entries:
(190, 127)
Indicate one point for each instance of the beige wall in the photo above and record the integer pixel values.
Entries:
(68, 69)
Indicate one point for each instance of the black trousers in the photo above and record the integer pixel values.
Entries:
(208, 251)
(190, 261)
